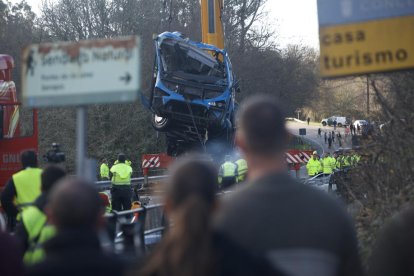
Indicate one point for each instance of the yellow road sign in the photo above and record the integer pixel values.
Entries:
(367, 47)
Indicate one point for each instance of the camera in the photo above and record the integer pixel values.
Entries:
(55, 155)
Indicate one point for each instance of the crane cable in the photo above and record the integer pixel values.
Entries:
(170, 18)
(195, 126)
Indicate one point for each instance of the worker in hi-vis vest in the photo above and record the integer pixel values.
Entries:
(121, 184)
(34, 229)
(23, 188)
(104, 170)
(242, 169)
(328, 164)
(314, 165)
(227, 173)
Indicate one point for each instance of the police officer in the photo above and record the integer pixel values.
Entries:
(328, 164)
(104, 170)
(241, 170)
(23, 187)
(227, 173)
(121, 185)
(33, 229)
(128, 162)
(314, 165)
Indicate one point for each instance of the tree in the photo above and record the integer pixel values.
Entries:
(259, 64)
(245, 25)
(17, 30)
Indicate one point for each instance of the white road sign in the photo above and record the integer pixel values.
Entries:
(81, 73)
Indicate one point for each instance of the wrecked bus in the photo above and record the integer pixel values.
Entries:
(193, 95)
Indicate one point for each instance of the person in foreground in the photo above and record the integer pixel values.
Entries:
(33, 229)
(76, 210)
(190, 247)
(11, 255)
(393, 253)
(301, 230)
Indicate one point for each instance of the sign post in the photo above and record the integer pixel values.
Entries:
(78, 74)
(365, 36)
(81, 139)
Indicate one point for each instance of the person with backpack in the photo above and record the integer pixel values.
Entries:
(34, 229)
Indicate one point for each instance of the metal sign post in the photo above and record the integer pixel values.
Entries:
(81, 139)
(78, 74)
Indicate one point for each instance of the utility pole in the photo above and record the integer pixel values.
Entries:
(367, 94)
(298, 111)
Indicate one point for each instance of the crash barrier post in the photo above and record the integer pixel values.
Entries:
(145, 172)
(154, 162)
(296, 158)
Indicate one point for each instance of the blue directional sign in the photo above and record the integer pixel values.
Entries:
(338, 12)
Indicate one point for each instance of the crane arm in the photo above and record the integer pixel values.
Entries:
(211, 22)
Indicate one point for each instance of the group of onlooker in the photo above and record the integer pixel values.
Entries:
(271, 224)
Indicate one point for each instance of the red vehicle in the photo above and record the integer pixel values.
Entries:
(18, 127)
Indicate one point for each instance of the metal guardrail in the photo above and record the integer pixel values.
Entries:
(322, 181)
(105, 185)
(127, 227)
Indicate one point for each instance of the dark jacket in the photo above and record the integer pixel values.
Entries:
(11, 256)
(7, 197)
(76, 252)
(393, 254)
(303, 231)
(233, 260)
(230, 260)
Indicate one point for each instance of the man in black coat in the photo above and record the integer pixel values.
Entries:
(76, 210)
(301, 230)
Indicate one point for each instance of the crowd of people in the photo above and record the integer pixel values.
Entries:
(271, 225)
(340, 160)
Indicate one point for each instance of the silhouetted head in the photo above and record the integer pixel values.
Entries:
(227, 158)
(75, 204)
(192, 178)
(261, 130)
(187, 248)
(29, 159)
(50, 176)
(121, 158)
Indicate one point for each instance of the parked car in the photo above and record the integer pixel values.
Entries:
(361, 123)
(341, 121)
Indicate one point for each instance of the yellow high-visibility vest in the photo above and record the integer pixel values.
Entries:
(327, 165)
(121, 174)
(38, 231)
(27, 183)
(228, 169)
(104, 171)
(313, 166)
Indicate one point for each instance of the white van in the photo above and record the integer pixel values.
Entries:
(341, 121)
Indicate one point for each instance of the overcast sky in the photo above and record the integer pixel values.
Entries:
(296, 21)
